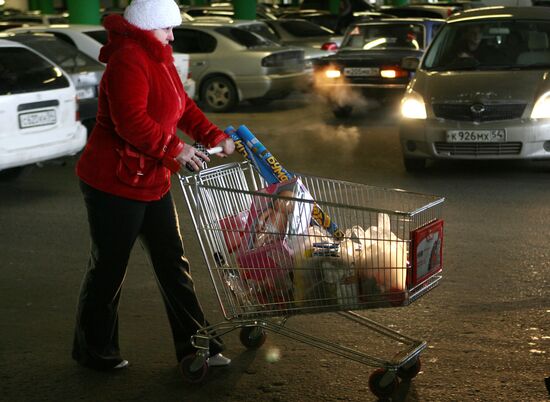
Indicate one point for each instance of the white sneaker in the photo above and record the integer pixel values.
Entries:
(218, 360)
(121, 365)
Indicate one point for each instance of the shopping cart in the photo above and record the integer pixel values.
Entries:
(270, 259)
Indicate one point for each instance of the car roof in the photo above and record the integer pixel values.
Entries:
(533, 12)
(72, 27)
(9, 43)
(388, 21)
(219, 23)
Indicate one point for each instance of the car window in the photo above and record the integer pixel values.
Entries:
(498, 44)
(304, 28)
(193, 41)
(385, 36)
(242, 37)
(99, 35)
(64, 37)
(61, 53)
(24, 71)
(262, 30)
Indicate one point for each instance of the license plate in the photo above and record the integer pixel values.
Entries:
(35, 119)
(476, 135)
(85, 93)
(361, 71)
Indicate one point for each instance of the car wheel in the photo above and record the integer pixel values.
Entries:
(414, 164)
(219, 94)
(342, 111)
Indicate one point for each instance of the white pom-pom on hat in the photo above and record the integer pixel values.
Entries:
(153, 14)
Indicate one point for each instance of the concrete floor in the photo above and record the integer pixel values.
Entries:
(487, 325)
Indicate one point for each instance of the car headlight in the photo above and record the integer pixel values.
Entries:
(541, 110)
(332, 73)
(412, 106)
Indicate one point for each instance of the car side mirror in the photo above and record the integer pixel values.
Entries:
(410, 63)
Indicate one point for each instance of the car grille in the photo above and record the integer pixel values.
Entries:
(479, 149)
(464, 112)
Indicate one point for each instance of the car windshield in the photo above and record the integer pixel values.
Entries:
(100, 36)
(490, 45)
(24, 71)
(244, 38)
(262, 30)
(384, 36)
(303, 29)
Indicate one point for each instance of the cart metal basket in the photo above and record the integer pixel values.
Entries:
(270, 256)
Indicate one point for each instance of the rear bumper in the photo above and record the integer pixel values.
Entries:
(43, 152)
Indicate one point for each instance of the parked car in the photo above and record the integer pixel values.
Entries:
(421, 11)
(38, 108)
(368, 64)
(316, 41)
(37, 18)
(230, 64)
(222, 11)
(90, 38)
(481, 90)
(84, 71)
(299, 32)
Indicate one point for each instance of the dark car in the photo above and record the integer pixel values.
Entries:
(84, 71)
(368, 63)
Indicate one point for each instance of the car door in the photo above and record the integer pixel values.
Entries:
(198, 45)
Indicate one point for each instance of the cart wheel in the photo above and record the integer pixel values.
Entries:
(252, 337)
(379, 390)
(191, 373)
(410, 372)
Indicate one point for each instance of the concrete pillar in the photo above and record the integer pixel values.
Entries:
(34, 5)
(83, 12)
(46, 6)
(334, 7)
(245, 9)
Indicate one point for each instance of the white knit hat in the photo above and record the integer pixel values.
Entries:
(153, 14)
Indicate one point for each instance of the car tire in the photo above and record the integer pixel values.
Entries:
(219, 94)
(414, 164)
(341, 112)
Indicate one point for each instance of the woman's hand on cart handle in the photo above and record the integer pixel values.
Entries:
(192, 158)
(227, 148)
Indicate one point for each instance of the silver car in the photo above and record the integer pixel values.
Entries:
(481, 90)
(231, 65)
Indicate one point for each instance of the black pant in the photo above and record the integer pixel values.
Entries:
(115, 223)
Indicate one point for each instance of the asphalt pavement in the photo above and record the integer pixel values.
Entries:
(487, 325)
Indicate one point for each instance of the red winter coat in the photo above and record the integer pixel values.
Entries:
(131, 150)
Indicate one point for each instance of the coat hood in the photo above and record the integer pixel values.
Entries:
(122, 33)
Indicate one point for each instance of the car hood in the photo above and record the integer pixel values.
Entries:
(481, 86)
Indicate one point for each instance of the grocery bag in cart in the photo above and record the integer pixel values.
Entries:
(279, 244)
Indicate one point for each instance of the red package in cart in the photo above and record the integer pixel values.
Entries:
(233, 230)
(267, 271)
(270, 260)
(272, 219)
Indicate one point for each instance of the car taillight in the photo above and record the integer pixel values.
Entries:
(329, 46)
(272, 60)
(393, 72)
(284, 59)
